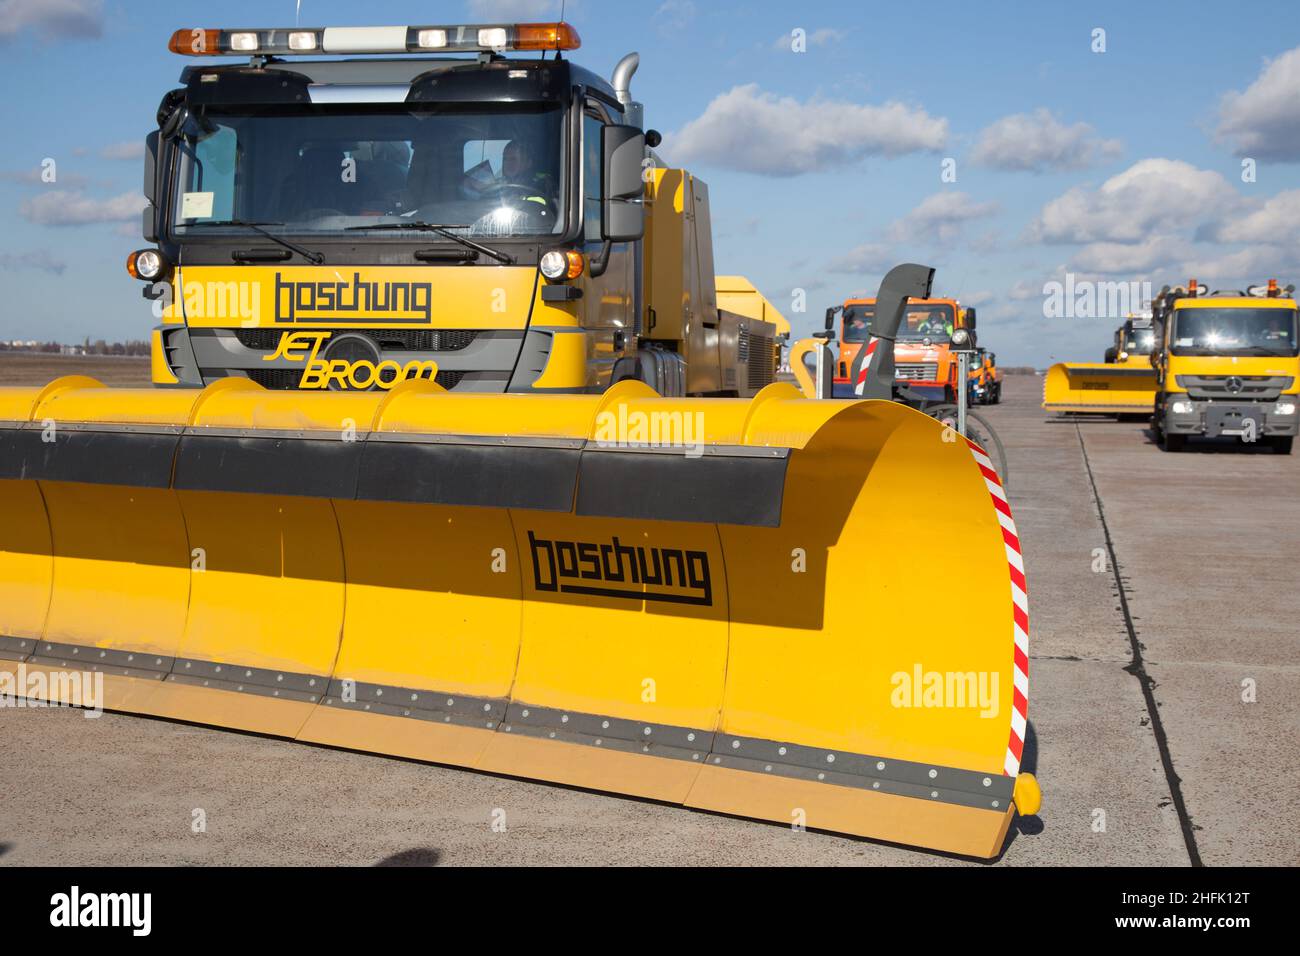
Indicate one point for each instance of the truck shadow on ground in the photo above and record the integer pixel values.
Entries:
(1029, 826)
(1214, 446)
(416, 856)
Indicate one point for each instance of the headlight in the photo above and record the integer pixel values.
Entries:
(1182, 408)
(1284, 408)
(556, 265)
(960, 338)
(147, 264)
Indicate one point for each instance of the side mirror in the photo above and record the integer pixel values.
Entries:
(830, 317)
(622, 212)
(149, 221)
(970, 318)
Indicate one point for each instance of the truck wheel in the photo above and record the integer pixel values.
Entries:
(1281, 444)
(1172, 442)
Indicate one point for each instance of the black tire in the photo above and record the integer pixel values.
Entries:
(1173, 443)
(1281, 444)
(981, 433)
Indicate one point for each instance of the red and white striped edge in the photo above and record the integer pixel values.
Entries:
(1019, 610)
(866, 364)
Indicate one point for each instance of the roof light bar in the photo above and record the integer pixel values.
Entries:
(468, 38)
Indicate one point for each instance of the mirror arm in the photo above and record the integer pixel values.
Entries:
(598, 263)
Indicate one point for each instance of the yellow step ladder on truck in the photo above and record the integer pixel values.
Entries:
(549, 570)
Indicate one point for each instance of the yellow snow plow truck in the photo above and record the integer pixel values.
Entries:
(1125, 384)
(1228, 364)
(447, 487)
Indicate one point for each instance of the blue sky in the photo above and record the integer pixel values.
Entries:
(823, 166)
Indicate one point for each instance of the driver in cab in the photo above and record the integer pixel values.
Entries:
(520, 179)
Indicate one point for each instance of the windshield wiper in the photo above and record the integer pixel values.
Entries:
(1256, 350)
(446, 233)
(313, 257)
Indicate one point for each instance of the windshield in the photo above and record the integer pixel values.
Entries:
(499, 171)
(920, 322)
(926, 322)
(857, 322)
(1234, 332)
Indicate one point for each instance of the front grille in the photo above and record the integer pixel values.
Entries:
(1248, 387)
(742, 345)
(288, 378)
(762, 360)
(917, 372)
(390, 340)
(276, 377)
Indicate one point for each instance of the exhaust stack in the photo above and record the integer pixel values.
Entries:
(621, 80)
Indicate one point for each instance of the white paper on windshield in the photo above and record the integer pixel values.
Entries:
(196, 205)
(1186, 343)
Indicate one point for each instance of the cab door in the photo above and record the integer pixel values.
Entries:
(609, 310)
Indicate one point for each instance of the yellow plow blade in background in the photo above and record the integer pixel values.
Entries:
(713, 602)
(1108, 388)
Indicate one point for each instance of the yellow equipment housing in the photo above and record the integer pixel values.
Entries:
(1125, 384)
(371, 570)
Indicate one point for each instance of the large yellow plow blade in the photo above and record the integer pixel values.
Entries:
(1108, 388)
(726, 604)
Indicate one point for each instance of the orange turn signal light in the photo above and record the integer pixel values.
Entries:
(196, 42)
(546, 36)
(577, 262)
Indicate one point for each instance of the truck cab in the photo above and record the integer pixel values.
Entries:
(923, 360)
(1227, 364)
(456, 203)
(985, 378)
(1134, 342)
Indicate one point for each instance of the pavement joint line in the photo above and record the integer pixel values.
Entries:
(1137, 667)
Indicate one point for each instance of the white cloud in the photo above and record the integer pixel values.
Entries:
(1236, 270)
(61, 208)
(131, 149)
(41, 259)
(939, 218)
(1024, 290)
(749, 130)
(872, 258)
(1151, 195)
(62, 18)
(1038, 142)
(822, 36)
(1120, 258)
(1263, 122)
(33, 177)
(1277, 220)
(673, 16)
